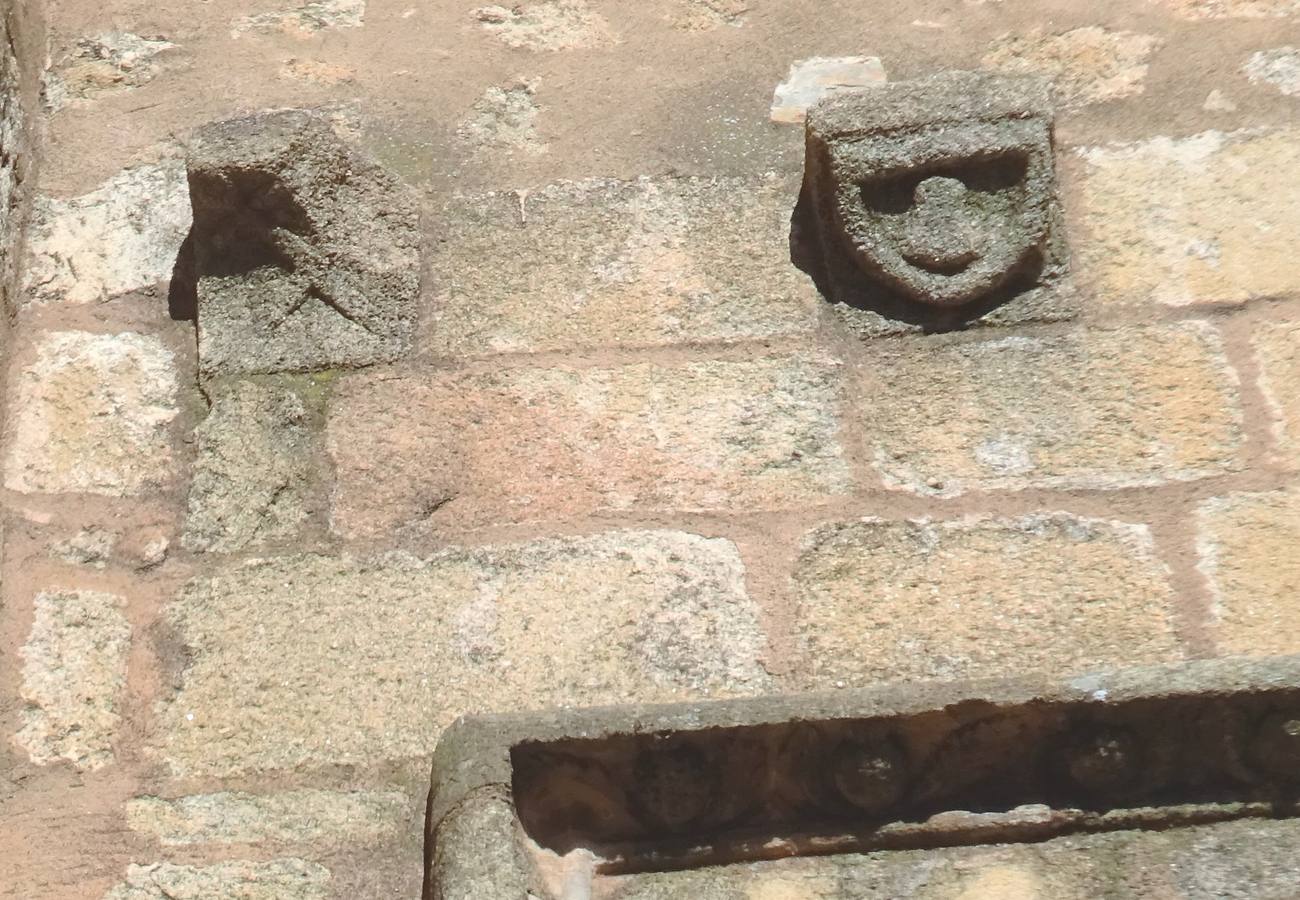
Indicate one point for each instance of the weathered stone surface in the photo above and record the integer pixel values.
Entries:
(900, 600)
(304, 20)
(105, 63)
(1277, 353)
(1086, 65)
(312, 660)
(932, 204)
(504, 118)
(277, 879)
(122, 236)
(1279, 67)
(254, 469)
(705, 15)
(89, 547)
(15, 161)
(655, 261)
(1247, 553)
(91, 414)
(812, 79)
(315, 816)
(415, 452)
(545, 26)
(307, 253)
(1233, 861)
(1097, 409)
(1203, 219)
(74, 674)
(478, 853)
(1233, 9)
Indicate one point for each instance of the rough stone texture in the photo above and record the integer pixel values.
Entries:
(91, 414)
(291, 817)
(656, 261)
(1098, 409)
(122, 236)
(884, 600)
(1233, 9)
(1277, 353)
(307, 253)
(931, 204)
(277, 879)
(504, 118)
(416, 452)
(1251, 860)
(88, 547)
(477, 853)
(550, 25)
(704, 15)
(305, 20)
(105, 63)
(812, 79)
(15, 161)
(312, 660)
(1154, 213)
(1086, 65)
(254, 470)
(1247, 546)
(74, 674)
(1279, 67)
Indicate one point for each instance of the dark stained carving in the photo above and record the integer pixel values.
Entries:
(932, 202)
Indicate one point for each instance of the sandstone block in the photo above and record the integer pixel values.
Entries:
(1095, 409)
(305, 816)
(1247, 546)
(881, 600)
(276, 879)
(105, 63)
(1087, 65)
(546, 26)
(1203, 219)
(122, 236)
(307, 253)
(91, 414)
(809, 80)
(312, 660)
(253, 472)
(1277, 352)
(1279, 67)
(74, 674)
(525, 444)
(655, 261)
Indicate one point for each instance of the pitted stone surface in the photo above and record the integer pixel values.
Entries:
(91, 415)
(881, 600)
(1245, 543)
(302, 21)
(315, 816)
(105, 63)
(74, 677)
(1086, 65)
(307, 253)
(1156, 225)
(253, 472)
(421, 452)
(1099, 409)
(123, 236)
(654, 261)
(546, 26)
(933, 203)
(276, 879)
(312, 660)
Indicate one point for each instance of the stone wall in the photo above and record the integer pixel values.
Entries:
(632, 455)
(21, 38)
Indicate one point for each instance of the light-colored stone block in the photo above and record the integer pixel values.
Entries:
(882, 600)
(615, 263)
(90, 415)
(121, 237)
(276, 879)
(1093, 409)
(1248, 553)
(313, 661)
(1086, 65)
(1203, 219)
(1277, 353)
(809, 80)
(74, 675)
(526, 444)
(305, 816)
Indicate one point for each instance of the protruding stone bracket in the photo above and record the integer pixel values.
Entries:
(899, 767)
